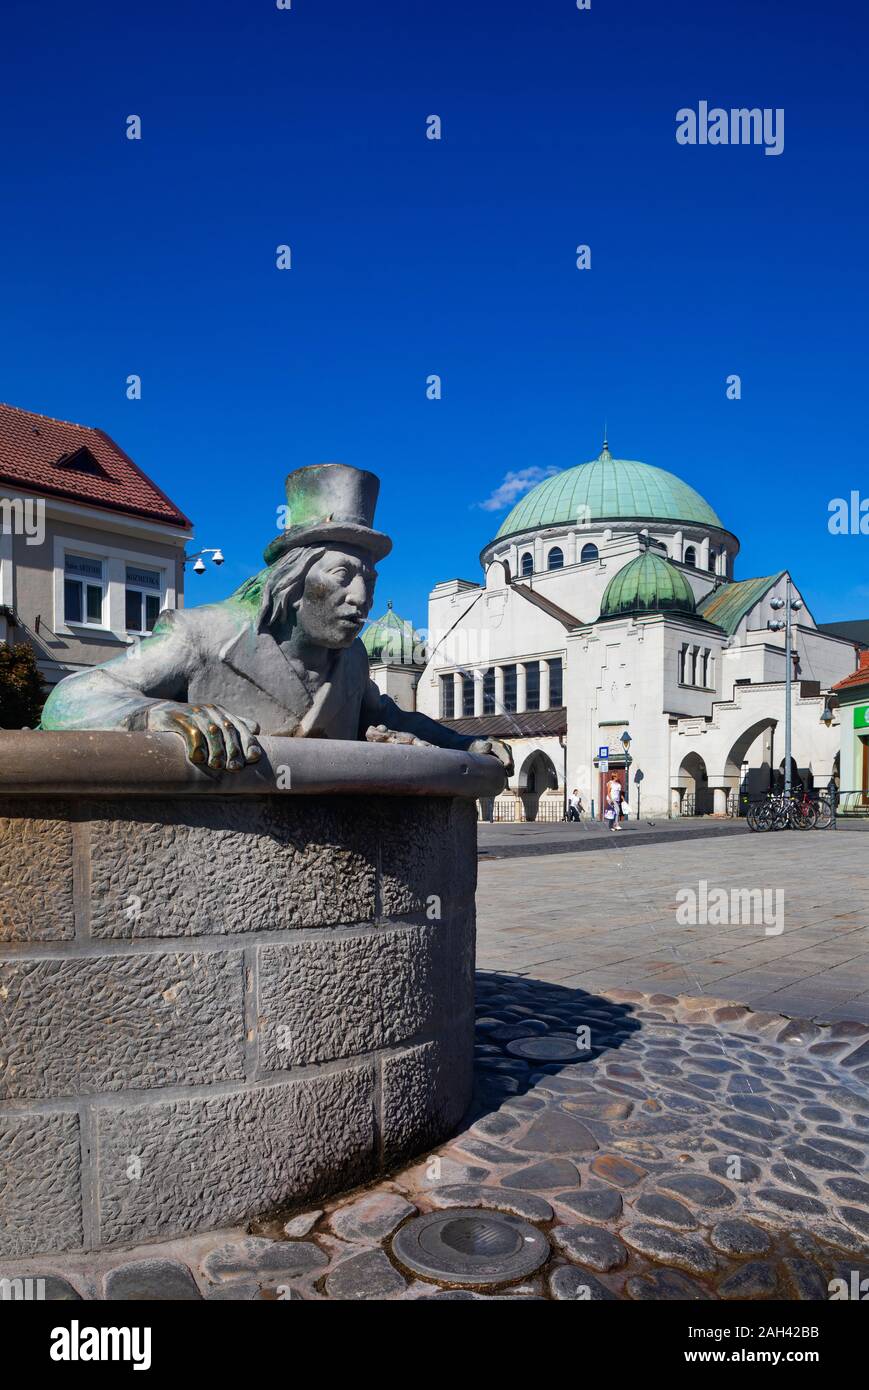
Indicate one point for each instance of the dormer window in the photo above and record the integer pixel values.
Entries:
(82, 461)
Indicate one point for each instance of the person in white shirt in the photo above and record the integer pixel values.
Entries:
(574, 805)
(614, 800)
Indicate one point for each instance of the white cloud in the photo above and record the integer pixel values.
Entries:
(514, 486)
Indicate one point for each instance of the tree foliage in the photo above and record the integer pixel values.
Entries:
(22, 689)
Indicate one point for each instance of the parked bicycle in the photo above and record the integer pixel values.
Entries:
(796, 812)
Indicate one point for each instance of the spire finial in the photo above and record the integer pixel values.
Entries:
(605, 451)
(389, 603)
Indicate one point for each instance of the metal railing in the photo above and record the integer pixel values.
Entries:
(513, 811)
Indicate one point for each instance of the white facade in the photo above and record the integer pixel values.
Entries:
(526, 656)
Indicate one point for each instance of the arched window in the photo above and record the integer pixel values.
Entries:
(589, 553)
(527, 564)
(712, 558)
(691, 556)
(556, 558)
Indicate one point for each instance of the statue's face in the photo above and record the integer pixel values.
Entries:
(337, 598)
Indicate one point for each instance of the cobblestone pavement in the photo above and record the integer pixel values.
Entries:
(605, 920)
(666, 1149)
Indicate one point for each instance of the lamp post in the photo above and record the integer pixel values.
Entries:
(626, 744)
(790, 605)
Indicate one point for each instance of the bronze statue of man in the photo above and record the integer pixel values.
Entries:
(282, 655)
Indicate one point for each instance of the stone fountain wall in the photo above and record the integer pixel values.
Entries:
(216, 1006)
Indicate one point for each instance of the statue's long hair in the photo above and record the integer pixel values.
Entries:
(275, 591)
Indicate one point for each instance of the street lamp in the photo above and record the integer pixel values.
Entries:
(626, 744)
(790, 605)
(217, 557)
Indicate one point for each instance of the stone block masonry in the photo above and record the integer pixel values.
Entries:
(216, 1006)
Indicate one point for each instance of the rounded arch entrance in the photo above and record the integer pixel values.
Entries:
(536, 775)
(749, 764)
(697, 797)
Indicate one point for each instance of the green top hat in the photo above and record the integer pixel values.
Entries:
(330, 502)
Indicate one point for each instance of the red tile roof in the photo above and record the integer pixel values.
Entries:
(31, 446)
(858, 677)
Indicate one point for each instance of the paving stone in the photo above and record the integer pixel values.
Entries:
(373, 1218)
(759, 1105)
(265, 1258)
(858, 1057)
(856, 1217)
(690, 1253)
(599, 1107)
(736, 1237)
(819, 1113)
(843, 1153)
(793, 1177)
(799, 1031)
(697, 1188)
(621, 1172)
(807, 1279)
(567, 1282)
(756, 1129)
(850, 1189)
(795, 1202)
(495, 1126)
(525, 1204)
(237, 1292)
(598, 1204)
(669, 1285)
(740, 1144)
(666, 1210)
(556, 1132)
(368, 1275)
(812, 1158)
(756, 1279)
(55, 1289)
(151, 1281)
(489, 1153)
(591, 1245)
(550, 1173)
(302, 1225)
(638, 1148)
(847, 1099)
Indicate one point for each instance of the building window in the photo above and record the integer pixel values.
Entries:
(448, 698)
(691, 556)
(83, 591)
(489, 691)
(683, 662)
(142, 599)
(532, 684)
(467, 696)
(555, 683)
(527, 564)
(712, 557)
(589, 552)
(509, 689)
(556, 558)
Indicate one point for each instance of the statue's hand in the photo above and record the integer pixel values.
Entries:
(499, 750)
(211, 735)
(378, 733)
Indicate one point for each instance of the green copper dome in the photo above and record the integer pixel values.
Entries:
(609, 489)
(649, 584)
(390, 639)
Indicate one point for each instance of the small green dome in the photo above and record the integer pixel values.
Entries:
(609, 489)
(390, 639)
(649, 584)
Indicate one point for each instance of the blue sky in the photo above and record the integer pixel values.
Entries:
(456, 257)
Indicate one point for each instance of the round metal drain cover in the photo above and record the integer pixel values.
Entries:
(471, 1245)
(551, 1049)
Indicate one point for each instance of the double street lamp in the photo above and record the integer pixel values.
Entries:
(790, 605)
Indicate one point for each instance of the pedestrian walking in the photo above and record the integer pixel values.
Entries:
(574, 805)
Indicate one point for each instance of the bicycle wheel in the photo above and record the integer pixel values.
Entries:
(764, 816)
(803, 815)
(751, 816)
(824, 813)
